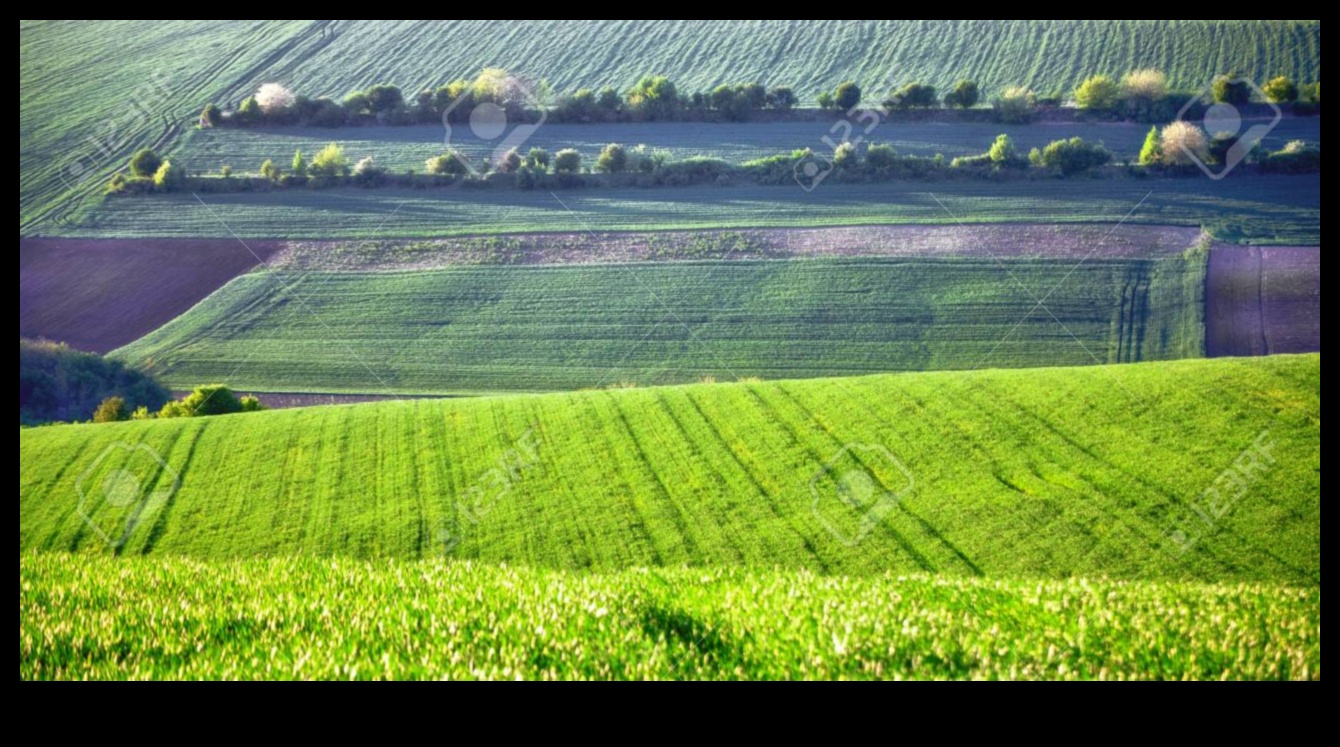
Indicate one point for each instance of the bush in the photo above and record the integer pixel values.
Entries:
(965, 95)
(881, 157)
(209, 401)
(169, 178)
(275, 100)
(384, 99)
(847, 96)
(1148, 86)
(845, 156)
(913, 96)
(112, 410)
(270, 171)
(212, 116)
(539, 159)
(1281, 90)
(330, 162)
(1295, 158)
(252, 404)
(654, 98)
(451, 163)
(368, 174)
(145, 164)
(1184, 144)
(1152, 152)
(568, 161)
(1228, 89)
(1099, 93)
(613, 159)
(1002, 151)
(1074, 156)
(1016, 106)
(826, 101)
(782, 99)
(249, 113)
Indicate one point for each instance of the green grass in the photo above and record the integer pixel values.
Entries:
(481, 329)
(1051, 473)
(403, 148)
(301, 619)
(1266, 210)
(104, 65)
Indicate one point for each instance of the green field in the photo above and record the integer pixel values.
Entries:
(403, 148)
(296, 619)
(481, 329)
(1257, 209)
(155, 76)
(1051, 473)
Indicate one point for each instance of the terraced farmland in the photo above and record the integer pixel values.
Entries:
(403, 148)
(1265, 210)
(295, 619)
(1053, 473)
(480, 329)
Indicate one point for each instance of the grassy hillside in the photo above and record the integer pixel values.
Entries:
(479, 329)
(1267, 210)
(1034, 474)
(296, 619)
(403, 148)
(154, 76)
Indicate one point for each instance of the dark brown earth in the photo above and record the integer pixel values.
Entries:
(98, 295)
(1263, 301)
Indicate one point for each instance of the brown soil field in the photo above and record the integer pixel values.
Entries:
(97, 295)
(1263, 301)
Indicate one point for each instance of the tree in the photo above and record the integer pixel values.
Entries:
(250, 111)
(384, 99)
(144, 164)
(1229, 89)
(212, 116)
(914, 96)
(613, 159)
(1152, 152)
(539, 159)
(845, 156)
(847, 96)
(1016, 106)
(654, 97)
(1074, 156)
(1002, 151)
(881, 156)
(299, 165)
(112, 410)
(358, 104)
(211, 400)
(367, 173)
(1184, 144)
(1144, 86)
(568, 161)
(826, 101)
(610, 101)
(451, 163)
(753, 94)
(169, 178)
(965, 95)
(782, 99)
(270, 171)
(1099, 93)
(1281, 90)
(330, 162)
(274, 99)
(510, 162)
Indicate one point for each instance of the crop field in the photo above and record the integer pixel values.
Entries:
(97, 296)
(155, 76)
(403, 148)
(1263, 302)
(307, 619)
(1052, 473)
(480, 329)
(1257, 209)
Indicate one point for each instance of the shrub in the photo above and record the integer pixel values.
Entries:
(1016, 106)
(1148, 86)
(1099, 93)
(610, 101)
(358, 104)
(782, 99)
(539, 159)
(1002, 151)
(1184, 144)
(368, 174)
(1152, 152)
(384, 99)
(845, 156)
(1281, 90)
(965, 95)
(112, 410)
(1228, 89)
(141, 413)
(226, 171)
(613, 159)
(510, 162)
(568, 161)
(211, 400)
(914, 96)
(654, 98)
(1074, 156)
(118, 185)
(145, 164)
(169, 178)
(451, 163)
(212, 116)
(881, 156)
(847, 96)
(1295, 158)
(330, 162)
(270, 171)
(826, 101)
(249, 112)
(252, 404)
(299, 165)
(274, 99)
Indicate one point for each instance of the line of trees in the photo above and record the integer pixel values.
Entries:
(1141, 95)
(205, 402)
